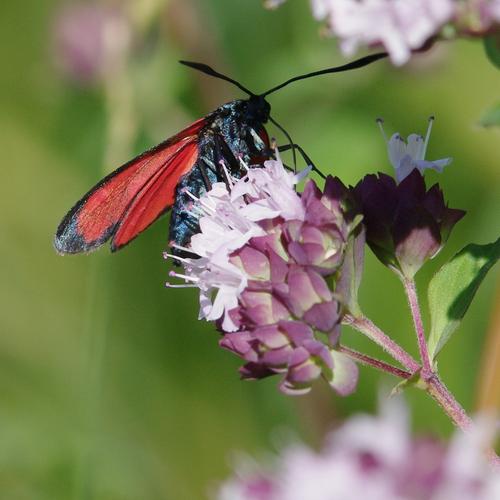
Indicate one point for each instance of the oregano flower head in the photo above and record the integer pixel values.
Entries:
(264, 260)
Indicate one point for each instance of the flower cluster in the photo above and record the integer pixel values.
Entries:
(265, 258)
(401, 26)
(277, 270)
(375, 458)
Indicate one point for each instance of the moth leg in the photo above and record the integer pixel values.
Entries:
(223, 154)
(201, 166)
(306, 158)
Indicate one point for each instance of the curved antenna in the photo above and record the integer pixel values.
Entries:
(358, 63)
(204, 68)
(291, 145)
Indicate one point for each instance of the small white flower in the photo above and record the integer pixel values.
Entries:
(270, 191)
(410, 155)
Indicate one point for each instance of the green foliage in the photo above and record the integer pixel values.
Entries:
(491, 118)
(492, 48)
(168, 408)
(453, 288)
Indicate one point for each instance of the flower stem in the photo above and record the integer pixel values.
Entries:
(374, 363)
(448, 403)
(454, 410)
(433, 384)
(374, 333)
(411, 294)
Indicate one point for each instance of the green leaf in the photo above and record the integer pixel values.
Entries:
(351, 272)
(492, 48)
(414, 381)
(453, 287)
(491, 118)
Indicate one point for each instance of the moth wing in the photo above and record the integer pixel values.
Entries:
(113, 207)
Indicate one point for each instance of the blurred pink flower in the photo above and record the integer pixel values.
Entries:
(375, 458)
(400, 26)
(489, 11)
(89, 39)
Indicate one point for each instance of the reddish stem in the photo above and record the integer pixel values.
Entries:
(374, 333)
(374, 363)
(411, 294)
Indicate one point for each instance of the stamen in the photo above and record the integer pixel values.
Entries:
(242, 163)
(167, 255)
(197, 210)
(229, 177)
(428, 135)
(380, 122)
(302, 174)
(173, 244)
(199, 202)
(191, 195)
(171, 285)
(184, 277)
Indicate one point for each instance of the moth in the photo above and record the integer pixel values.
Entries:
(128, 200)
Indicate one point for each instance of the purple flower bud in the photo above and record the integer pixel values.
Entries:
(406, 224)
(253, 262)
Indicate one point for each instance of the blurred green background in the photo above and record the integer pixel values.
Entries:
(110, 388)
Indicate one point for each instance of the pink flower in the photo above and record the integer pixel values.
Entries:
(399, 25)
(494, 10)
(375, 458)
(479, 15)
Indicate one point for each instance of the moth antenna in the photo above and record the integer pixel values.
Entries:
(358, 63)
(204, 68)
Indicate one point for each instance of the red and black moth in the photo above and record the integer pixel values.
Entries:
(131, 198)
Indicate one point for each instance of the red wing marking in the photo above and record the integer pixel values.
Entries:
(118, 204)
(157, 194)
